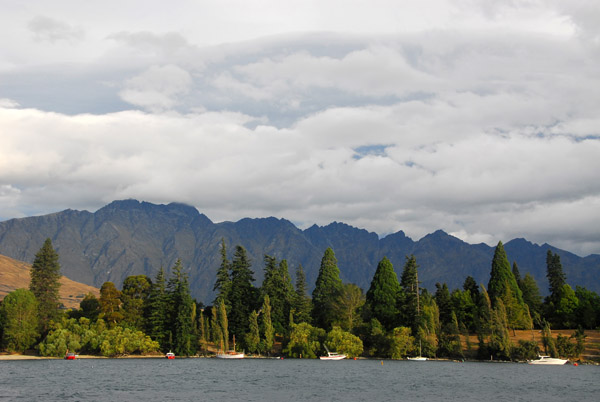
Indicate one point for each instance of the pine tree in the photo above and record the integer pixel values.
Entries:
(516, 273)
(156, 312)
(45, 284)
(181, 306)
(327, 290)
(301, 305)
(556, 277)
(223, 282)
(410, 294)
(382, 296)
(242, 295)
(278, 285)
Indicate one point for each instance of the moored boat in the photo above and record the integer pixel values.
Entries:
(547, 360)
(230, 354)
(170, 355)
(332, 355)
(70, 356)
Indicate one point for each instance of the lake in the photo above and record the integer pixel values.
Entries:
(292, 380)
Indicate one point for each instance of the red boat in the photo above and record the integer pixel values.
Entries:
(70, 356)
(170, 355)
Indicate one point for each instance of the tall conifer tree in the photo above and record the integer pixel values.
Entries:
(243, 294)
(301, 303)
(45, 283)
(157, 316)
(181, 306)
(327, 291)
(382, 296)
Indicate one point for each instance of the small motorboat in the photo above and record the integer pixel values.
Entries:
(332, 355)
(170, 355)
(230, 354)
(417, 359)
(547, 360)
(70, 356)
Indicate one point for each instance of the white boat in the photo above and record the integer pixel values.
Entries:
(547, 360)
(332, 356)
(417, 358)
(230, 354)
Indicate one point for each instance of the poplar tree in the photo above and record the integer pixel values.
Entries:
(45, 284)
(327, 291)
(110, 304)
(382, 296)
(223, 326)
(267, 326)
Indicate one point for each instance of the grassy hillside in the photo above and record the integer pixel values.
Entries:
(15, 274)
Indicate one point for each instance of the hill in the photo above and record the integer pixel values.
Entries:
(131, 237)
(15, 274)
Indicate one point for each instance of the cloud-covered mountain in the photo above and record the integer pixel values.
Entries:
(130, 237)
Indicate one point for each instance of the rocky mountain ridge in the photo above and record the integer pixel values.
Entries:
(131, 237)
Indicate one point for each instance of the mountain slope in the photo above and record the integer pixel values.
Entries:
(130, 237)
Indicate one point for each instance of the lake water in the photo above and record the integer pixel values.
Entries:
(292, 380)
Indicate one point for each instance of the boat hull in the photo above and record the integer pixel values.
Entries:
(335, 357)
(230, 356)
(417, 359)
(550, 361)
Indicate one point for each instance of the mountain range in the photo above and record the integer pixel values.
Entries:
(129, 237)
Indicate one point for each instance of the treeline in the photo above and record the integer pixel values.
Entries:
(394, 318)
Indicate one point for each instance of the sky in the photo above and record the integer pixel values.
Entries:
(477, 117)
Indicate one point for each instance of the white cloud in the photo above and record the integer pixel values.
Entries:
(476, 117)
(158, 88)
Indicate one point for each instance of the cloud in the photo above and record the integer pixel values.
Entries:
(52, 30)
(158, 88)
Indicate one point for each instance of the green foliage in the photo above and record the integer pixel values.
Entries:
(409, 295)
(156, 311)
(526, 350)
(376, 341)
(182, 307)
(110, 302)
(402, 343)
(223, 282)
(301, 304)
(267, 326)
(19, 318)
(223, 326)
(556, 277)
(327, 291)
(134, 295)
(548, 341)
(278, 286)
(566, 308)
(305, 341)
(382, 296)
(348, 305)
(243, 295)
(532, 297)
(588, 308)
(89, 307)
(464, 308)
(253, 336)
(45, 283)
(83, 336)
(344, 342)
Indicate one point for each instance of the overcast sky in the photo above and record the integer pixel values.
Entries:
(477, 117)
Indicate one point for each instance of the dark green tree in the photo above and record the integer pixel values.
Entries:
(223, 282)
(382, 296)
(278, 285)
(157, 311)
(516, 273)
(301, 304)
(327, 291)
(588, 308)
(503, 286)
(182, 308)
(243, 295)
(409, 283)
(19, 319)
(134, 294)
(268, 330)
(532, 297)
(471, 286)
(556, 277)
(45, 284)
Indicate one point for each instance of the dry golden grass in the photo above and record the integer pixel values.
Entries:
(592, 340)
(16, 274)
